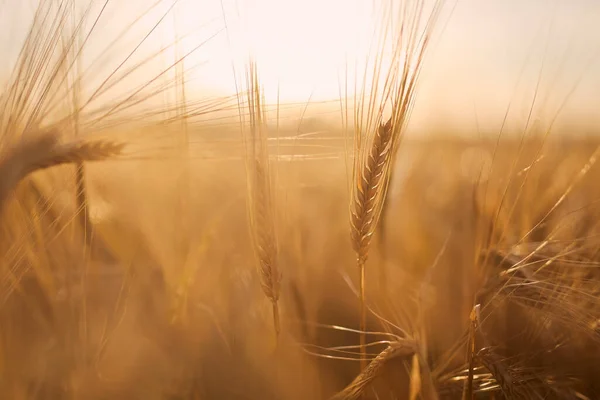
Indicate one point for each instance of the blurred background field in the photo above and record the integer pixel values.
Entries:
(170, 304)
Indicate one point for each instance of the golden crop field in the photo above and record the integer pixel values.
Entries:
(220, 249)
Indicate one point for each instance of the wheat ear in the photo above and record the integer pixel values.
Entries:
(493, 363)
(45, 151)
(488, 358)
(374, 156)
(366, 207)
(261, 201)
(354, 391)
(265, 241)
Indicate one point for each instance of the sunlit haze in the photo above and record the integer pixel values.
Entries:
(485, 55)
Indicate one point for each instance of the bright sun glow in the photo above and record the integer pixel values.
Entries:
(301, 47)
(313, 50)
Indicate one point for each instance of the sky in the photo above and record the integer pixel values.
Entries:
(485, 56)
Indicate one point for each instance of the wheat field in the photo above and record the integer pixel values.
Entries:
(214, 249)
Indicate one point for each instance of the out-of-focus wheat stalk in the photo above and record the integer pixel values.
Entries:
(376, 141)
(260, 195)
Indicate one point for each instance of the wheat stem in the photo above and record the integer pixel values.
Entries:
(276, 322)
(363, 316)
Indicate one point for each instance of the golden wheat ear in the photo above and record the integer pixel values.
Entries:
(45, 151)
(355, 390)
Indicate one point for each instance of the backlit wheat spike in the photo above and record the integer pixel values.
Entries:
(377, 142)
(355, 390)
(262, 217)
(366, 210)
(265, 238)
(368, 194)
(493, 363)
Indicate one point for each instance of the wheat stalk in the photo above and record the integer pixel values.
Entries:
(45, 151)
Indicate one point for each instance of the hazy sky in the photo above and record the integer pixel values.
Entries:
(492, 52)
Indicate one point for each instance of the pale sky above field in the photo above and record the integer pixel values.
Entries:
(491, 52)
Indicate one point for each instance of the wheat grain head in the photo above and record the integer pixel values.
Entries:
(376, 141)
(260, 197)
(398, 349)
(37, 152)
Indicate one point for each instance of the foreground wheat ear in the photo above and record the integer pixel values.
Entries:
(366, 206)
(43, 151)
(376, 139)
